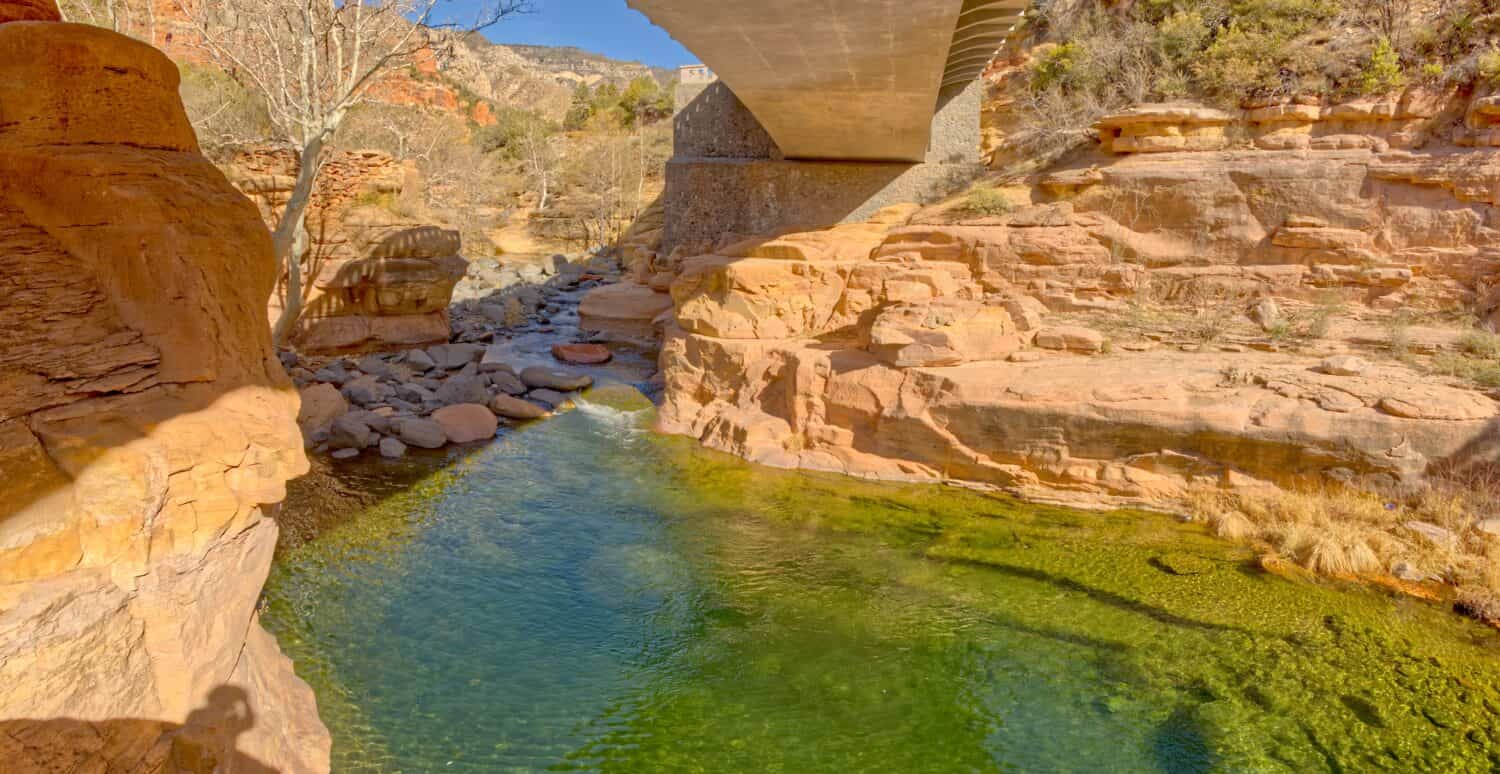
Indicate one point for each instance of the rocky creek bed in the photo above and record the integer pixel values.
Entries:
(516, 354)
(582, 594)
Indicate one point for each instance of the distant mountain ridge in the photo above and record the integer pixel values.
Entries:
(566, 61)
(540, 78)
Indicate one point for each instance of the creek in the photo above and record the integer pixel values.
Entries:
(584, 595)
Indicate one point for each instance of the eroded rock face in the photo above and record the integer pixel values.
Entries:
(986, 350)
(394, 297)
(375, 279)
(144, 425)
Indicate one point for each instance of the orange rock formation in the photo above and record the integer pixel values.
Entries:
(144, 425)
(1093, 343)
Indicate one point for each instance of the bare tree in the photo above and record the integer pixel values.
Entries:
(539, 154)
(312, 61)
(99, 13)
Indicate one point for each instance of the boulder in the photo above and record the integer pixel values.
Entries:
(515, 408)
(28, 10)
(467, 423)
(321, 405)
(623, 302)
(507, 382)
(455, 356)
(555, 379)
(367, 391)
(551, 398)
(422, 433)
(419, 360)
(385, 283)
(464, 389)
(1071, 338)
(496, 358)
(350, 432)
(1344, 365)
(582, 354)
(392, 449)
(375, 365)
(942, 333)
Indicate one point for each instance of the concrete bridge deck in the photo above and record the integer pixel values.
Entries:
(847, 80)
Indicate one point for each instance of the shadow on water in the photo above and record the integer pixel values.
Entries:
(1181, 746)
(1098, 595)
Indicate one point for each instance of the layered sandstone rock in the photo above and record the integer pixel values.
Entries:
(1405, 120)
(995, 351)
(374, 279)
(1159, 128)
(144, 425)
(394, 297)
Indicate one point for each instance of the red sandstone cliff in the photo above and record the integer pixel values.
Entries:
(144, 426)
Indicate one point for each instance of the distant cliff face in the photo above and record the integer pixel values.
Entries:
(540, 78)
(575, 64)
(144, 426)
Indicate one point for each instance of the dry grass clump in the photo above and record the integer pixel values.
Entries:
(1343, 532)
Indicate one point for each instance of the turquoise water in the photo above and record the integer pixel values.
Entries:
(583, 595)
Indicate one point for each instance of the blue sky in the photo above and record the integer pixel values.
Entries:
(603, 26)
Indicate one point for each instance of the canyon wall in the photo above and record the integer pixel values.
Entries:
(1200, 300)
(146, 426)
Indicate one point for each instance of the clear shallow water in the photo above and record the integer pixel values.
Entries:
(585, 596)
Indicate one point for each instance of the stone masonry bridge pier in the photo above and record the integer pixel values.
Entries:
(825, 111)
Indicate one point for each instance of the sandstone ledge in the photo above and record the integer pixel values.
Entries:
(1130, 429)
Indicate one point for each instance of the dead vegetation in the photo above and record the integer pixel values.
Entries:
(1437, 535)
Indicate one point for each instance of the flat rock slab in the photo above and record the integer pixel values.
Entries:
(582, 354)
(515, 408)
(541, 377)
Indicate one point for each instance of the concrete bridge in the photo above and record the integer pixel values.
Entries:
(826, 109)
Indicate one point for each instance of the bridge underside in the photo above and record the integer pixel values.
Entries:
(847, 80)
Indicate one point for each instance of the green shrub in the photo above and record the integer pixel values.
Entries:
(1057, 68)
(1481, 344)
(1383, 74)
(1264, 49)
(985, 202)
(1489, 65)
(1483, 372)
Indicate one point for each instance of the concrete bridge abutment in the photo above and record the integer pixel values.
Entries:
(728, 177)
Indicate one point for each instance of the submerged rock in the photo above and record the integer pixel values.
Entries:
(515, 408)
(582, 354)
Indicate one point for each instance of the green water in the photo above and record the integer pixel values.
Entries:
(585, 596)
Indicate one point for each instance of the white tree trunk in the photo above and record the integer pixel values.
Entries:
(290, 237)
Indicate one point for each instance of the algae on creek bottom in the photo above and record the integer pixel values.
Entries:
(584, 595)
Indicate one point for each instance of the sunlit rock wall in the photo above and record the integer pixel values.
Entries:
(144, 427)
